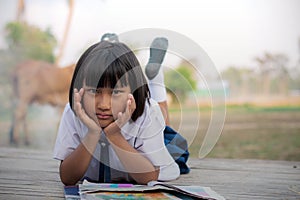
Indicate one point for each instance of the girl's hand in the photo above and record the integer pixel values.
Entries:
(81, 114)
(124, 117)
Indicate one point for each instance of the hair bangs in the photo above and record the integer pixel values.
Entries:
(106, 72)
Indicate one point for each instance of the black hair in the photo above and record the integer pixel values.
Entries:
(107, 64)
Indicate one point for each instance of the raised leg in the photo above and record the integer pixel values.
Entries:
(158, 50)
(155, 75)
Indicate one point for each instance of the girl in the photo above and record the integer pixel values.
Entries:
(110, 119)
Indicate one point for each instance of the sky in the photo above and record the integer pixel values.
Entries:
(231, 32)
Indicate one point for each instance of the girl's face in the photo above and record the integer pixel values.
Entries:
(104, 104)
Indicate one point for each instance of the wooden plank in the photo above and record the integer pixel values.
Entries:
(29, 174)
(32, 174)
(246, 179)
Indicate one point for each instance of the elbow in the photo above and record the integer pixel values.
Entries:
(67, 182)
(144, 179)
(66, 178)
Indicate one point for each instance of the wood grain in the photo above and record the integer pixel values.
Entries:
(33, 174)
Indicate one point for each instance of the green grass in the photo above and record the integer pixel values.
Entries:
(252, 132)
(253, 108)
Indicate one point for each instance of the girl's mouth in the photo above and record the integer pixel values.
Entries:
(103, 116)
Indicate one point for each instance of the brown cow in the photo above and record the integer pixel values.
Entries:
(41, 82)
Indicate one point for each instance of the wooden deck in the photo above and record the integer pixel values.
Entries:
(33, 174)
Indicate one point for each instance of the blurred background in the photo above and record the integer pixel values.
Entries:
(255, 46)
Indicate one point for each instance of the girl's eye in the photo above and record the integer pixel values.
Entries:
(115, 92)
(92, 90)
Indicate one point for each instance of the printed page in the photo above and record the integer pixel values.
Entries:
(88, 187)
(195, 191)
(95, 190)
(128, 195)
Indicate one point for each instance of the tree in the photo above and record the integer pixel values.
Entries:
(25, 42)
(20, 13)
(272, 67)
(67, 29)
(234, 77)
(294, 81)
(29, 42)
(20, 10)
(179, 82)
(242, 81)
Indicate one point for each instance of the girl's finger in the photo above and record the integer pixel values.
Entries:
(76, 95)
(77, 102)
(131, 105)
(81, 91)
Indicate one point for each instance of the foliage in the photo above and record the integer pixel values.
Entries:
(273, 76)
(294, 81)
(273, 69)
(242, 81)
(180, 81)
(24, 42)
(29, 42)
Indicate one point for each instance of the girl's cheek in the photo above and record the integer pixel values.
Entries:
(88, 103)
(118, 105)
(84, 101)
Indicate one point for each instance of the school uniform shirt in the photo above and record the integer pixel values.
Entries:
(145, 135)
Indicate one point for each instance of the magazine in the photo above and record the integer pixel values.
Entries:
(154, 190)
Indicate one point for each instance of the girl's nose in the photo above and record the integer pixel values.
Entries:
(103, 101)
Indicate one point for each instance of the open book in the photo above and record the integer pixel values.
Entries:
(154, 190)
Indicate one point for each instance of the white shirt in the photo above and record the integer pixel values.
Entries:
(145, 135)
